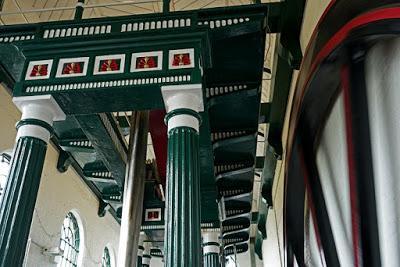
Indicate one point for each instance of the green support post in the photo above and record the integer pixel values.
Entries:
(79, 10)
(211, 247)
(166, 6)
(183, 234)
(16, 209)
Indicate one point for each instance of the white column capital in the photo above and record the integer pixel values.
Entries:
(40, 108)
(187, 96)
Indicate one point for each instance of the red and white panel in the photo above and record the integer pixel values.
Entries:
(39, 70)
(153, 215)
(181, 59)
(109, 64)
(146, 61)
(72, 67)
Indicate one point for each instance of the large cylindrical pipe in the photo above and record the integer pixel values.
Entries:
(133, 192)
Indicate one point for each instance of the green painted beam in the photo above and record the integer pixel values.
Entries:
(265, 110)
(280, 84)
(268, 175)
(287, 57)
(110, 146)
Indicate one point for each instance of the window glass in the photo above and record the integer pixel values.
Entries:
(106, 259)
(70, 241)
(4, 169)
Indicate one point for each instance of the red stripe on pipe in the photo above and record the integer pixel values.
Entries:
(334, 42)
(311, 205)
(355, 220)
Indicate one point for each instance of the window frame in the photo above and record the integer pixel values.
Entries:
(77, 223)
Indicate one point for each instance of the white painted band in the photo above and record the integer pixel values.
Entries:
(140, 252)
(33, 131)
(211, 249)
(79, 4)
(183, 120)
(209, 236)
(146, 260)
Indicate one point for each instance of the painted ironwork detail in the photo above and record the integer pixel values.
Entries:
(228, 167)
(223, 22)
(146, 61)
(114, 64)
(72, 67)
(112, 197)
(152, 227)
(16, 38)
(39, 70)
(181, 59)
(85, 143)
(156, 25)
(153, 215)
(222, 90)
(106, 84)
(76, 31)
(217, 136)
(232, 249)
(109, 64)
(234, 227)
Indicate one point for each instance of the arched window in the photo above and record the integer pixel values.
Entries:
(70, 241)
(106, 258)
(4, 169)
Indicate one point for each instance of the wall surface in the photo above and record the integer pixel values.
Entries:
(273, 251)
(59, 193)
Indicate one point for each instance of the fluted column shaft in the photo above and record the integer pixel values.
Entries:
(182, 236)
(16, 209)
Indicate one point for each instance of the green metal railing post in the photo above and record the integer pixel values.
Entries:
(17, 206)
(182, 246)
(166, 6)
(211, 247)
(79, 10)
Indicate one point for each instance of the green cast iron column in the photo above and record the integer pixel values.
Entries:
(79, 10)
(211, 249)
(182, 245)
(16, 209)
